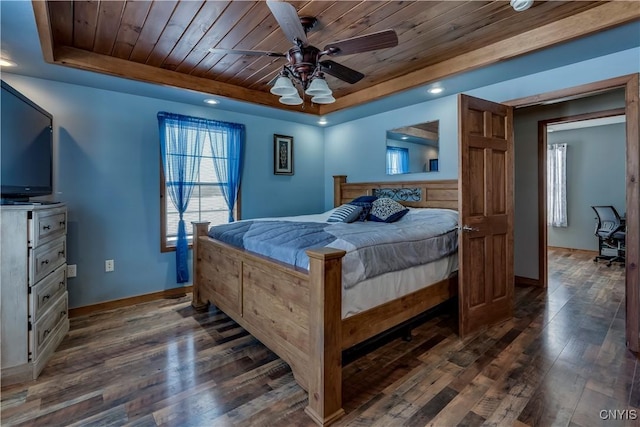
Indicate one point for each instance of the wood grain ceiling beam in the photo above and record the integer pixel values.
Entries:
(417, 132)
(78, 58)
(599, 18)
(43, 23)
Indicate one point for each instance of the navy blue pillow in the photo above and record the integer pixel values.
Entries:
(387, 210)
(365, 202)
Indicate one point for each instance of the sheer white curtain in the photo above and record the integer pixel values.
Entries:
(557, 185)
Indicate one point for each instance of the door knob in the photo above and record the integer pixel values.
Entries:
(467, 228)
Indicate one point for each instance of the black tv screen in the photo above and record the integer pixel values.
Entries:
(26, 147)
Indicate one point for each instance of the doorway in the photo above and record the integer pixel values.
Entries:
(630, 85)
(590, 151)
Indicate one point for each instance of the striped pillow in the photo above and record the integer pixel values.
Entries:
(345, 213)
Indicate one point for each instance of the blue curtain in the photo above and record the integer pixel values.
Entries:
(182, 139)
(397, 160)
(226, 141)
(181, 144)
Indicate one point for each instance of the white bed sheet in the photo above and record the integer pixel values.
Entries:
(389, 286)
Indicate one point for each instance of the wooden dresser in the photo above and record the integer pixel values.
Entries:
(33, 280)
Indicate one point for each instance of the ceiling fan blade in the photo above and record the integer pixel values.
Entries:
(373, 41)
(288, 20)
(245, 52)
(340, 71)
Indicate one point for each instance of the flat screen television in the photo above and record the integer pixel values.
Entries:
(26, 148)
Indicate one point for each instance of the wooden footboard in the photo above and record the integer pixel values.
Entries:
(298, 314)
(294, 313)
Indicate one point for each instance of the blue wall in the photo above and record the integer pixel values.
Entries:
(356, 148)
(108, 168)
(107, 171)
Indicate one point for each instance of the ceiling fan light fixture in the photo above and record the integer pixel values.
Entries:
(293, 99)
(304, 69)
(323, 99)
(520, 5)
(283, 87)
(318, 87)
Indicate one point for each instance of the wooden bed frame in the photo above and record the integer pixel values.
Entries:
(298, 314)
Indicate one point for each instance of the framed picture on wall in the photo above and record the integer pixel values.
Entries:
(282, 155)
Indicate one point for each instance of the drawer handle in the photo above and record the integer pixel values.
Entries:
(46, 261)
(45, 297)
(60, 253)
(62, 313)
(45, 333)
(46, 227)
(62, 223)
(60, 285)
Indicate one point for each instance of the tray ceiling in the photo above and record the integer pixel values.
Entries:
(167, 42)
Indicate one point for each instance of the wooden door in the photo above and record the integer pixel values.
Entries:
(485, 204)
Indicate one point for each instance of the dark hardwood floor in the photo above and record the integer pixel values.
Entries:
(560, 362)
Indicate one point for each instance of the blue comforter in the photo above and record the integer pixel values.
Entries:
(373, 248)
(285, 241)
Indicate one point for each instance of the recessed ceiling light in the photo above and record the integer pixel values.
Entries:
(6, 63)
(322, 121)
(435, 90)
(211, 101)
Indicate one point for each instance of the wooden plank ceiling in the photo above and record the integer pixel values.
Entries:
(167, 42)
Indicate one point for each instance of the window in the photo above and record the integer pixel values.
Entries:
(397, 160)
(557, 185)
(200, 178)
(207, 202)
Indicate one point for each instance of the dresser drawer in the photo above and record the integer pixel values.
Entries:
(48, 325)
(47, 225)
(46, 292)
(46, 258)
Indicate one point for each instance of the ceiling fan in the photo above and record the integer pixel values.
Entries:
(304, 66)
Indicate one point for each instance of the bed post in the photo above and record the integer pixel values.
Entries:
(325, 335)
(337, 189)
(199, 229)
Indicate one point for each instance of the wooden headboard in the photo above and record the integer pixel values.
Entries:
(417, 194)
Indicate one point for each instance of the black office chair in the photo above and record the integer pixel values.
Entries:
(611, 233)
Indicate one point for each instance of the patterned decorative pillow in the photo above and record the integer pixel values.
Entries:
(345, 213)
(365, 202)
(386, 210)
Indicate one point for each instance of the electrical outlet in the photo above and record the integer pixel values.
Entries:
(72, 270)
(109, 265)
